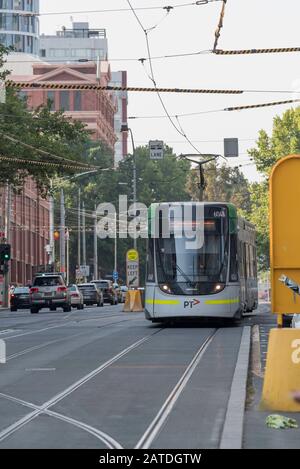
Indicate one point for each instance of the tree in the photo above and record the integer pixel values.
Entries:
(39, 129)
(284, 140)
(223, 184)
(157, 181)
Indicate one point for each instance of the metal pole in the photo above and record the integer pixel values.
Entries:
(134, 179)
(8, 239)
(95, 247)
(62, 233)
(116, 244)
(79, 229)
(83, 238)
(51, 221)
(68, 256)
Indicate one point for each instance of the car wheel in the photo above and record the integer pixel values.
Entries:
(13, 308)
(52, 308)
(102, 304)
(82, 306)
(79, 307)
(34, 310)
(67, 309)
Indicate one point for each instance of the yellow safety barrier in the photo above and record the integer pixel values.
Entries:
(282, 377)
(133, 302)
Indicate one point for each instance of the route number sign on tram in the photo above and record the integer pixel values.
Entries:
(132, 269)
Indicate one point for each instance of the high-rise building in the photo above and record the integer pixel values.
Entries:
(82, 44)
(19, 25)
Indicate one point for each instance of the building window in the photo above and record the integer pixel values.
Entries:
(77, 101)
(43, 52)
(51, 98)
(64, 101)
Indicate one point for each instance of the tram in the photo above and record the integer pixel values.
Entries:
(201, 262)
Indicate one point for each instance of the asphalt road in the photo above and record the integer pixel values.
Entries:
(101, 378)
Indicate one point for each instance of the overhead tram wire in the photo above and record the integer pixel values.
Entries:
(230, 109)
(152, 77)
(120, 10)
(23, 161)
(46, 153)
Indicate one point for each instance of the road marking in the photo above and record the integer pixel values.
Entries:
(232, 434)
(104, 437)
(40, 369)
(8, 331)
(164, 412)
(58, 397)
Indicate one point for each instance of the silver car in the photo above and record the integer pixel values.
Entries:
(76, 297)
(49, 291)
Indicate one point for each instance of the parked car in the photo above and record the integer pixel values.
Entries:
(91, 294)
(76, 297)
(124, 290)
(49, 291)
(20, 299)
(109, 293)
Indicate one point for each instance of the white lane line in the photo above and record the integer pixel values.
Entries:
(40, 346)
(58, 397)
(164, 412)
(55, 326)
(104, 437)
(232, 434)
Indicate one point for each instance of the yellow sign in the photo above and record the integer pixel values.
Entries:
(285, 235)
(282, 376)
(132, 255)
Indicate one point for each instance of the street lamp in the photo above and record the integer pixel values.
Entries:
(209, 157)
(125, 128)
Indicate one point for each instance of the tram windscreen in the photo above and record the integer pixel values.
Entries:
(194, 271)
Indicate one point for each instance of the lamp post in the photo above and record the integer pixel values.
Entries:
(125, 128)
(209, 157)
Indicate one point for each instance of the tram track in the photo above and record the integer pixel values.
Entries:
(20, 423)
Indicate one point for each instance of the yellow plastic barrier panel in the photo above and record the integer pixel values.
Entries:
(133, 302)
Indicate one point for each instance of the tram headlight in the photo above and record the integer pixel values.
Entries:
(218, 287)
(165, 288)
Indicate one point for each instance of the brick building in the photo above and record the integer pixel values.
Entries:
(93, 108)
(29, 230)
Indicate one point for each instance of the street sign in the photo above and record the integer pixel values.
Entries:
(132, 269)
(84, 270)
(115, 275)
(156, 148)
(231, 147)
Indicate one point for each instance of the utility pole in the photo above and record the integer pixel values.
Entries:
(51, 221)
(62, 233)
(125, 128)
(116, 243)
(83, 238)
(68, 256)
(95, 247)
(79, 229)
(8, 240)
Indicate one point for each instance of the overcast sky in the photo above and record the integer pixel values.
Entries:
(255, 24)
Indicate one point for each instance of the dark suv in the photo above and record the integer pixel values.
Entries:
(91, 294)
(49, 291)
(109, 293)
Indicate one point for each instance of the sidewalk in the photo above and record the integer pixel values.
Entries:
(256, 433)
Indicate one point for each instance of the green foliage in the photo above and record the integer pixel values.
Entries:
(223, 184)
(285, 140)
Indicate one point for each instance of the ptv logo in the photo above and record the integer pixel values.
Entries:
(191, 303)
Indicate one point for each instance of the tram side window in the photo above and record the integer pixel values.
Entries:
(150, 261)
(234, 276)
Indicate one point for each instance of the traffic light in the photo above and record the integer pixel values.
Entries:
(5, 253)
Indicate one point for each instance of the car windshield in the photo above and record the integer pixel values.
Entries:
(48, 281)
(86, 287)
(72, 288)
